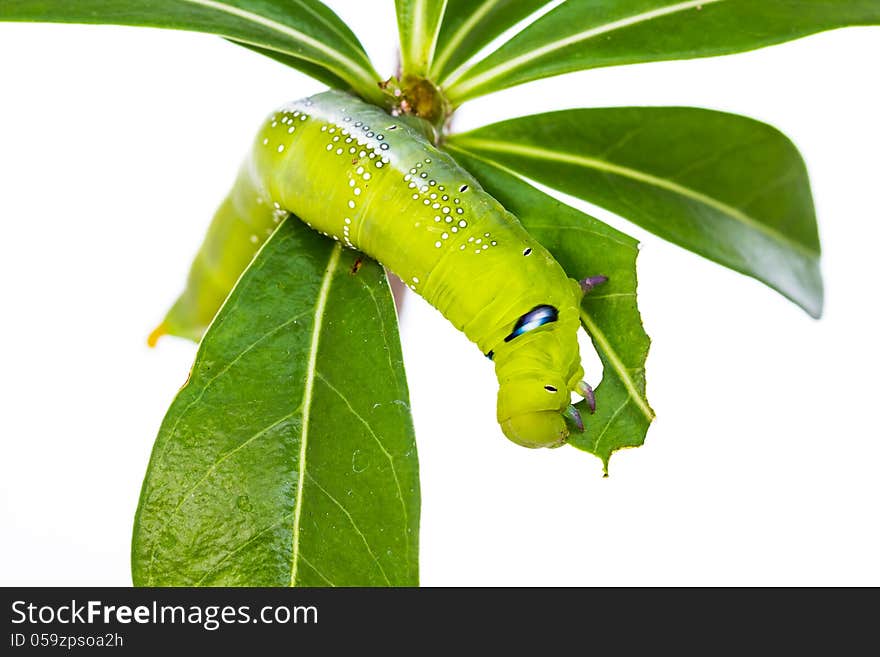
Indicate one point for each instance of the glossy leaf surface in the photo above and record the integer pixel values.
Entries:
(729, 188)
(306, 33)
(418, 22)
(469, 25)
(581, 34)
(288, 458)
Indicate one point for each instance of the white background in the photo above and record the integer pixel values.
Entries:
(116, 145)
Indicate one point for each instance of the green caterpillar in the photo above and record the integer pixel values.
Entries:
(376, 183)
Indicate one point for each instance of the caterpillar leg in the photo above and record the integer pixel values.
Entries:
(573, 417)
(591, 282)
(585, 390)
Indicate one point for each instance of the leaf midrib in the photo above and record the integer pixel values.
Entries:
(462, 90)
(640, 176)
(288, 31)
(308, 390)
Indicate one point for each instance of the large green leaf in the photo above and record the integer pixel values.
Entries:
(585, 246)
(305, 32)
(418, 22)
(579, 35)
(729, 188)
(288, 457)
(468, 25)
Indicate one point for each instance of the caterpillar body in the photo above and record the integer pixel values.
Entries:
(376, 184)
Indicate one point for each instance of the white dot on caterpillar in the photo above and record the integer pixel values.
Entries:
(347, 221)
(438, 244)
(433, 196)
(277, 206)
(352, 150)
(281, 148)
(485, 234)
(437, 219)
(485, 246)
(339, 151)
(351, 204)
(359, 170)
(367, 176)
(329, 147)
(274, 123)
(418, 165)
(428, 160)
(336, 138)
(379, 165)
(442, 188)
(454, 229)
(423, 175)
(459, 210)
(426, 202)
(351, 183)
(415, 197)
(290, 130)
(494, 243)
(332, 130)
(372, 155)
(423, 189)
(415, 279)
(445, 236)
(362, 154)
(323, 128)
(462, 247)
(462, 223)
(479, 241)
(448, 220)
(254, 239)
(407, 178)
(357, 191)
(348, 139)
(470, 239)
(435, 206)
(444, 197)
(445, 210)
(265, 141)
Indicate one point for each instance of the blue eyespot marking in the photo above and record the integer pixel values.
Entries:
(537, 316)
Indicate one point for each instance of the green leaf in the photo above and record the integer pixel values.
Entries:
(585, 246)
(307, 33)
(289, 456)
(580, 35)
(418, 22)
(726, 187)
(468, 25)
(320, 73)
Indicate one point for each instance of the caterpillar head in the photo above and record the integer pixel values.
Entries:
(537, 370)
